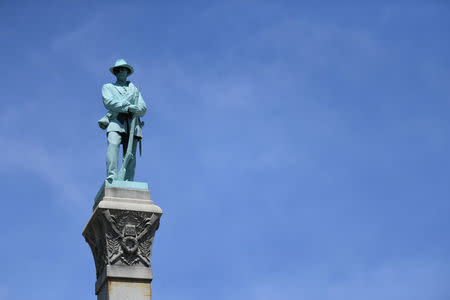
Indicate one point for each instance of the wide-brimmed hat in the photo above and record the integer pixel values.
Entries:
(122, 63)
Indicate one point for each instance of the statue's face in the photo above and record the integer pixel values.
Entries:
(121, 73)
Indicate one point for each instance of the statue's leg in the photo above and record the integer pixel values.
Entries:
(112, 154)
(129, 175)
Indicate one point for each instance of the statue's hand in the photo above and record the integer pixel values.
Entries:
(133, 108)
(134, 97)
(125, 103)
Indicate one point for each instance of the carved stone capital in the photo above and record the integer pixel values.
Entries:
(121, 233)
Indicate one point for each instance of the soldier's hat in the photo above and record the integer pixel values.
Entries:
(122, 63)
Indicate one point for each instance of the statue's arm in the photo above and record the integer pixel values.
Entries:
(113, 104)
(139, 108)
(142, 107)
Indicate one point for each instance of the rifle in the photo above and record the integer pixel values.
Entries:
(129, 154)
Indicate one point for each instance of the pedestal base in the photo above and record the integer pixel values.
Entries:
(120, 233)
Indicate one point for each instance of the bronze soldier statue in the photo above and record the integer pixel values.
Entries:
(125, 106)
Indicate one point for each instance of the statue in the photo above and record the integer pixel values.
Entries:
(122, 122)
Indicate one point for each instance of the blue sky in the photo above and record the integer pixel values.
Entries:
(298, 150)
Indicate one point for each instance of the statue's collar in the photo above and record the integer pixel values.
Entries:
(127, 84)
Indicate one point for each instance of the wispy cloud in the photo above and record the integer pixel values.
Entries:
(400, 280)
(4, 293)
(41, 157)
(31, 156)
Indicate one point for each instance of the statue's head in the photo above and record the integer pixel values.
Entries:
(121, 69)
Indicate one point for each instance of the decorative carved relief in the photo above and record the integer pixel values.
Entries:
(121, 237)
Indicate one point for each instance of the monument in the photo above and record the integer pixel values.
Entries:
(122, 227)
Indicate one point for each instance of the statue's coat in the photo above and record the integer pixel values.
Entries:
(114, 98)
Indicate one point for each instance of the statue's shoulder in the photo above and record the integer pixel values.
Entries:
(108, 86)
(131, 85)
(108, 89)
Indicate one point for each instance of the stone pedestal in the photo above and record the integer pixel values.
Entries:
(120, 233)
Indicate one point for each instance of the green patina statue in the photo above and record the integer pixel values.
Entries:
(122, 122)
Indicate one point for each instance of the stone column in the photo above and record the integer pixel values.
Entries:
(120, 233)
